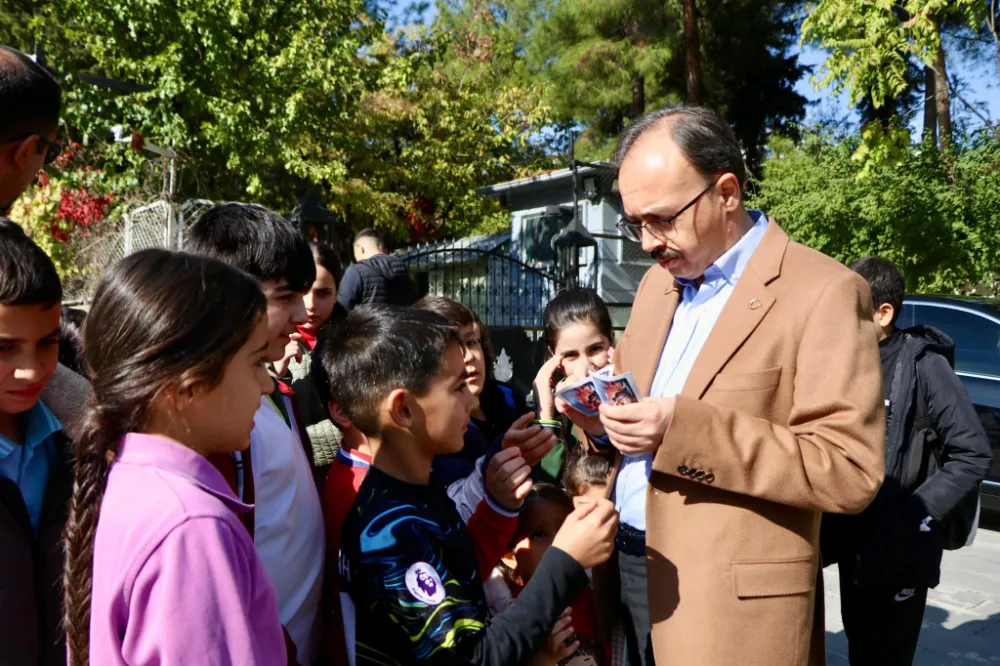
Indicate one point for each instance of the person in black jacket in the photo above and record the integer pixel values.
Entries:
(377, 277)
(36, 474)
(936, 455)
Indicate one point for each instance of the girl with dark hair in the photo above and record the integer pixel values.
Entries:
(579, 338)
(159, 568)
(321, 308)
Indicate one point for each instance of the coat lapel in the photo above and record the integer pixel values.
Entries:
(746, 308)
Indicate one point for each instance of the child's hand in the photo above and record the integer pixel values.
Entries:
(588, 534)
(556, 649)
(508, 478)
(543, 388)
(292, 350)
(533, 441)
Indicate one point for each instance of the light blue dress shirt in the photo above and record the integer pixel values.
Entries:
(697, 311)
(28, 464)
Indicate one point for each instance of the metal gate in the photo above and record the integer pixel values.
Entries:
(506, 294)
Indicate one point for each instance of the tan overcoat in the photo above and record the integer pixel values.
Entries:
(781, 419)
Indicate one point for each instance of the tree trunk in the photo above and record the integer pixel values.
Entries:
(638, 97)
(930, 104)
(692, 48)
(943, 98)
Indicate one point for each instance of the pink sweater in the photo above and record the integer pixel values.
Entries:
(176, 577)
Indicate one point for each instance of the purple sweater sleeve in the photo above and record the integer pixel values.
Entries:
(202, 597)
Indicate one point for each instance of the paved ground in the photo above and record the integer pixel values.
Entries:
(962, 620)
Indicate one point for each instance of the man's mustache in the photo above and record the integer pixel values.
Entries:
(666, 254)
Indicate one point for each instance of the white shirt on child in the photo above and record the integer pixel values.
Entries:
(288, 524)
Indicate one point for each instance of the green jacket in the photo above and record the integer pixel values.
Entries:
(324, 435)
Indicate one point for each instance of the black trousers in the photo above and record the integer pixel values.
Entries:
(635, 609)
(882, 622)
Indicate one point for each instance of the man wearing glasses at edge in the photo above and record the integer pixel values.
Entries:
(765, 410)
(30, 102)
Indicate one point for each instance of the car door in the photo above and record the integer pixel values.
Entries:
(977, 363)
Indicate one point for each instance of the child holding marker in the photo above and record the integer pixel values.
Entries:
(159, 568)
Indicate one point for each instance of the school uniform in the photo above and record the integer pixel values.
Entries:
(176, 578)
(36, 483)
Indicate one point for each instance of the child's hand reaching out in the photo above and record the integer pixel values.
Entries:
(588, 534)
(533, 441)
(557, 649)
(508, 478)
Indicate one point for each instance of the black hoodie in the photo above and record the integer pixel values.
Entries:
(383, 278)
(929, 418)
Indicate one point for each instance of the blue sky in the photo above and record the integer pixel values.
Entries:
(980, 79)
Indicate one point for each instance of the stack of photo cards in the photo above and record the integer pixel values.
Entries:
(604, 386)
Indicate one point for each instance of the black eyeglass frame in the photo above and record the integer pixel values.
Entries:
(627, 227)
(52, 152)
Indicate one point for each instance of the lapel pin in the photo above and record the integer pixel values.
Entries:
(755, 304)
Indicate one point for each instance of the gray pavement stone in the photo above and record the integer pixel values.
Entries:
(962, 621)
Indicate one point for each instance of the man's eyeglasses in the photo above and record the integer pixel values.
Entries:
(633, 230)
(53, 150)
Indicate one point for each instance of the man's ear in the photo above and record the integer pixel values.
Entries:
(730, 190)
(400, 410)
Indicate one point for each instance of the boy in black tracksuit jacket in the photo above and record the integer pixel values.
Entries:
(936, 454)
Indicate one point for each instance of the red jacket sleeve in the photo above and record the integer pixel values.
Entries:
(492, 528)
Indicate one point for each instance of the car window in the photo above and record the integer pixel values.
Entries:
(977, 339)
(905, 319)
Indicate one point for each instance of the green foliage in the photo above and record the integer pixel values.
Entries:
(937, 218)
(876, 51)
(446, 116)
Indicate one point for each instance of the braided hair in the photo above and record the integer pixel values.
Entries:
(160, 320)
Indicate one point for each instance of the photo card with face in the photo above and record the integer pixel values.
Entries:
(583, 396)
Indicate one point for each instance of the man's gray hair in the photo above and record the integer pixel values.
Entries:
(704, 138)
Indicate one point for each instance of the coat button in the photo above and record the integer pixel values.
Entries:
(710, 478)
(682, 469)
(693, 472)
(699, 475)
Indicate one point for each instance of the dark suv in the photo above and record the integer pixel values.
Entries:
(974, 325)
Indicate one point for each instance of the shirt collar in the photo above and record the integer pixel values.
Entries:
(41, 424)
(353, 458)
(173, 457)
(730, 266)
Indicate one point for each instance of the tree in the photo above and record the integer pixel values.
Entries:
(602, 61)
(873, 46)
(448, 115)
(256, 97)
(935, 214)
(692, 52)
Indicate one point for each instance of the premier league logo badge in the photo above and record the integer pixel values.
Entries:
(424, 583)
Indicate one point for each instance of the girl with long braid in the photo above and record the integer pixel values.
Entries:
(159, 569)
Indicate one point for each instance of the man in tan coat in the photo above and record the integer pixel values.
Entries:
(760, 361)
